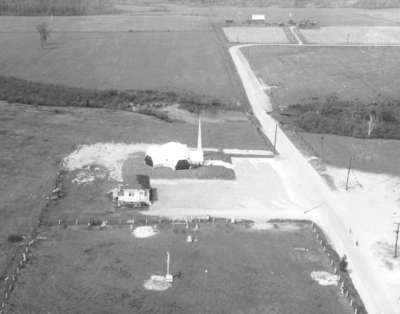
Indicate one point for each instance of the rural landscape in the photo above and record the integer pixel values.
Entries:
(200, 156)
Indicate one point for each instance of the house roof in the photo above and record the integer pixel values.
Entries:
(137, 182)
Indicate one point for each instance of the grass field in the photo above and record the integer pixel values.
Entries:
(177, 61)
(35, 140)
(353, 35)
(379, 156)
(230, 270)
(300, 74)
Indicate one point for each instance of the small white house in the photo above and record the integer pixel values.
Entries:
(257, 18)
(134, 192)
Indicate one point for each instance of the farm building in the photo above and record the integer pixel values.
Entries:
(257, 19)
(175, 155)
(135, 192)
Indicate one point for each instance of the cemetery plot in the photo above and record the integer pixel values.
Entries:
(228, 268)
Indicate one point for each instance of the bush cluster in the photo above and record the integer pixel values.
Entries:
(145, 101)
(350, 118)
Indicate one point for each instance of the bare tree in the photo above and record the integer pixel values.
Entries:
(44, 33)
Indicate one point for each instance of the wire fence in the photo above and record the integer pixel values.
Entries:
(23, 251)
(345, 284)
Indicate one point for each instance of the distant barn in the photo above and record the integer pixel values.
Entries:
(257, 19)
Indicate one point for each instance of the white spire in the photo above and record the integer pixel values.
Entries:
(199, 143)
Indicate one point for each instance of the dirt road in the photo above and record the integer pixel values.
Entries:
(305, 185)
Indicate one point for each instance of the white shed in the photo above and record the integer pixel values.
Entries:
(260, 18)
(135, 192)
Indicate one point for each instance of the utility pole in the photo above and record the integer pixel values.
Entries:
(276, 131)
(348, 173)
(397, 238)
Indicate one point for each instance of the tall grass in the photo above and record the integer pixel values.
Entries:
(54, 7)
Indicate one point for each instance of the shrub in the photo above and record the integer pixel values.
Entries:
(14, 238)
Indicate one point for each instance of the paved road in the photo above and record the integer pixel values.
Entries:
(306, 186)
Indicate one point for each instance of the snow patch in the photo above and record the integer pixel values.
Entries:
(157, 283)
(145, 231)
(324, 278)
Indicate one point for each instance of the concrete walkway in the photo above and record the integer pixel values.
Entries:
(306, 186)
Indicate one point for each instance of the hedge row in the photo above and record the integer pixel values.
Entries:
(39, 94)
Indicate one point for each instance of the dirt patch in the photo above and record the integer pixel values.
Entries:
(157, 283)
(145, 232)
(324, 278)
(109, 155)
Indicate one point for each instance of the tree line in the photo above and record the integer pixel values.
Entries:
(332, 115)
(54, 7)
